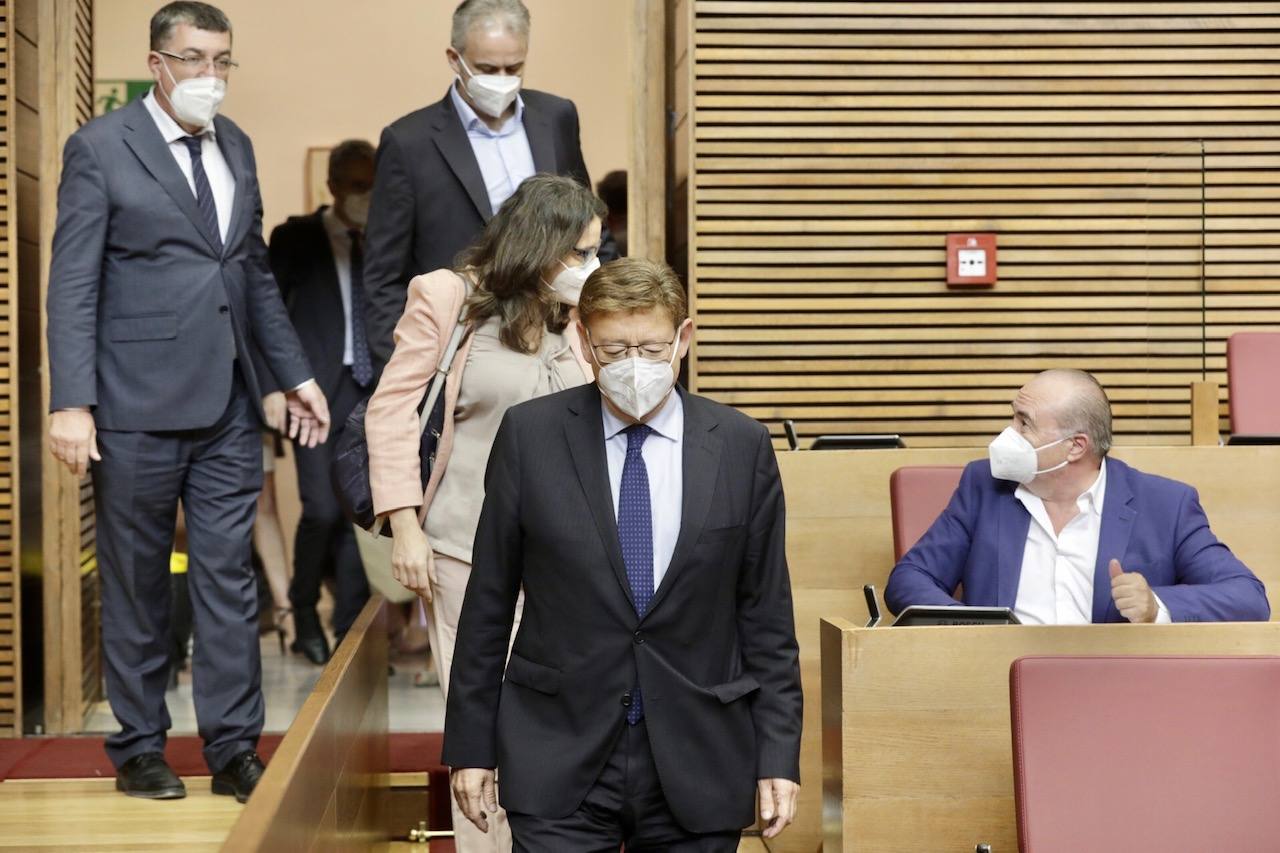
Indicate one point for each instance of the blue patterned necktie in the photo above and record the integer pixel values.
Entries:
(361, 363)
(635, 535)
(204, 194)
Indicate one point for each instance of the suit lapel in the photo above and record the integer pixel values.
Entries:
(451, 138)
(541, 142)
(233, 153)
(1117, 525)
(148, 145)
(700, 469)
(584, 430)
(1011, 538)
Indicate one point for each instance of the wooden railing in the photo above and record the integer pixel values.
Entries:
(327, 785)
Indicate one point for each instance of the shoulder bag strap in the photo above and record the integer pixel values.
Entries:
(460, 329)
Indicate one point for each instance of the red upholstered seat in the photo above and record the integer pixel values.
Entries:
(918, 494)
(1253, 383)
(1146, 754)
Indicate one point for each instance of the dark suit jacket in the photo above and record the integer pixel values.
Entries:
(304, 267)
(1152, 525)
(145, 315)
(715, 655)
(430, 203)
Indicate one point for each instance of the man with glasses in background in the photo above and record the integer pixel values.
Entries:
(165, 331)
(444, 170)
(653, 689)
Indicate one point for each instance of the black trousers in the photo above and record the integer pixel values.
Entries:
(625, 806)
(217, 473)
(325, 541)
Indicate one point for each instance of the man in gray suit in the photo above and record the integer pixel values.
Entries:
(165, 331)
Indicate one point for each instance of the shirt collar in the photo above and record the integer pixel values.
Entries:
(668, 423)
(1095, 494)
(472, 122)
(170, 129)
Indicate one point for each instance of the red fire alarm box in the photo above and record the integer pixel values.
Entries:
(971, 260)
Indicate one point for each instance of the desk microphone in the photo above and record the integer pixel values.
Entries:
(873, 606)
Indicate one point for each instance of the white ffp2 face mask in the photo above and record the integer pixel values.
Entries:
(1013, 457)
(196, 99)
(638, 385)
(492, 93)
(567, 285)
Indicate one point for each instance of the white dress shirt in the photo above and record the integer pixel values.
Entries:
(340, 243)
(663, 461)
(1056, 584)
(221, 181)
(504, 155)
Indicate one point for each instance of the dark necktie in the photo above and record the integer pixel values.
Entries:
(204, 194)
(635, 535)
(361, 363)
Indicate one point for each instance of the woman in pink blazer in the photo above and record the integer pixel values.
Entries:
(517, 286)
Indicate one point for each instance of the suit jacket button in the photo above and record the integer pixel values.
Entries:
(638, 638)
(626, 699)
(222, 309)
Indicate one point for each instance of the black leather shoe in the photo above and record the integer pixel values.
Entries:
(314, 649)
(310, 641)
(148, 776)
(240, 776)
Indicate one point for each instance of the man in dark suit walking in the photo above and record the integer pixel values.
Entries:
(165, 329)
(318, 263)
(653, 688)
(444, 170)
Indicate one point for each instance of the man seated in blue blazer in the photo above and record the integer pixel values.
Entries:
(1052, 528)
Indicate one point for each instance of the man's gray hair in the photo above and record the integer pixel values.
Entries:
(202, 16)
(471, 12)
(347, 152)
(1087, 410)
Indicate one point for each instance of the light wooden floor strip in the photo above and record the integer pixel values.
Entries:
(89, 814)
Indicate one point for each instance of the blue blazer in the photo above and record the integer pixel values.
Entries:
(1150, 524)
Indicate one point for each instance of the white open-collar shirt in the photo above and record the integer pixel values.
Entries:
(1056, 585)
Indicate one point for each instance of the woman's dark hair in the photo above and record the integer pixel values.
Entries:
(537, 226)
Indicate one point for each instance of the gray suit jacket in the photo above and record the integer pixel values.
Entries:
(715, 654)
(145, 315)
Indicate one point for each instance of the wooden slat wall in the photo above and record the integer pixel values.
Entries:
(92, 689)
(1125, 154)
(10, 623)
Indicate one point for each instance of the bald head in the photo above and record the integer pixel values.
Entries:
(1073, 401)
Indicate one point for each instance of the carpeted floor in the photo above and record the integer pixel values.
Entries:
(84, 757)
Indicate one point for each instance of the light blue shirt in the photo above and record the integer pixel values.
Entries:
(663, 462)
(504, 155)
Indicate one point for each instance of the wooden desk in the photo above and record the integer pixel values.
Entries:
(839, 537)
(916, 744)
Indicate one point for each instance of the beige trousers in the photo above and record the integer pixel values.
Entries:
(442, 621)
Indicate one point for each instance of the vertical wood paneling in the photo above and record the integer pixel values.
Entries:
(72, 626)
(647, 185)
(10, 592)
(1125, 154)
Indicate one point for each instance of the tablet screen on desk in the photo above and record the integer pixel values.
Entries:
(856, 442)
(1253, 439)
(917, 615)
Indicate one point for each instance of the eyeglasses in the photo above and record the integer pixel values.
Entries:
(196, 63)
(652, 350)
(586, 255)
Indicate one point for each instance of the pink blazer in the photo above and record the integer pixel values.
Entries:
(391, 421)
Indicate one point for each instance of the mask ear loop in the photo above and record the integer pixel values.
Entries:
(1062, 464)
